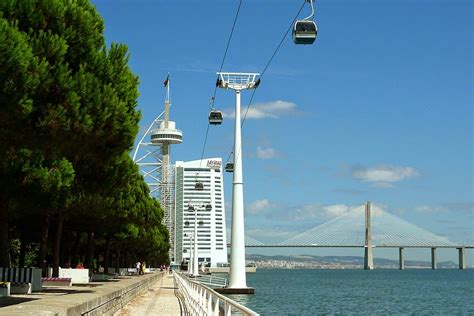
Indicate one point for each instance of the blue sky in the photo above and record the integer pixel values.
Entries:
(380, 108)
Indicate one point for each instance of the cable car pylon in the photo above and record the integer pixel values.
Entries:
(237, 276)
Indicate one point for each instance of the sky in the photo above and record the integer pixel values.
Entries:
(379, 108)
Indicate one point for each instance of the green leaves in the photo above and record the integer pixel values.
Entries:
(68, 119)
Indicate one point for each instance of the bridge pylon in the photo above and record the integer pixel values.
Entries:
(368, 256)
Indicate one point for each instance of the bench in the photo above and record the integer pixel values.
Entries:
(20, 288)
(4, 289)
(30, 276)
(78, 276)
(57, 281)
(101, 277)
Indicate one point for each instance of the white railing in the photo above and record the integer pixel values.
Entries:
(211, 281)
(202, 300)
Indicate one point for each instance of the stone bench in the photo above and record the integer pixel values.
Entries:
(57, 281)
(4, 289)
(101, 277)
(22, 275)
(20, 288)
(78, 276)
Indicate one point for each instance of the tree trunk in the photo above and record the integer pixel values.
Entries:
(44, 246)
(4, 241)
(57, 243)
(21, 262)
(90, 252)
(117, 259)
(76, 257)
(107, 255)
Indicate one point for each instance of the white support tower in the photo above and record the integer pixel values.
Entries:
(237, 276)
(152, 155)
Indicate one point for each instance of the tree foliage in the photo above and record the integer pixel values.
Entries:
(68, 120)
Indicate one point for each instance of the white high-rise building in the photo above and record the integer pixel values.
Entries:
(208, 202)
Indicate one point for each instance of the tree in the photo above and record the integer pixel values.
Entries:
(68, 104)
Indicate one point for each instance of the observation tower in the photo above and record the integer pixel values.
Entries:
(152, 155)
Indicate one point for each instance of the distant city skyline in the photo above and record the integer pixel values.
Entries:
(379, 108)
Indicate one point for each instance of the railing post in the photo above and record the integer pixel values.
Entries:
(216, 307)
(209, 304)
(228, 309)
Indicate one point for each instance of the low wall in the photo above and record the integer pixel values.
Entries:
(112, 302)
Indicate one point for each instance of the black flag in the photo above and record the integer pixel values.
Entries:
(165, 83)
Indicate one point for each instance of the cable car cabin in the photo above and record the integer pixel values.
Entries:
(215, 117)
(199, 186)
(229, 167)
(304, 32)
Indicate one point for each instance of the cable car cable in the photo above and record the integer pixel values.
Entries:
(226, 50)
(268, 64)
(220, 69)
(215, 90)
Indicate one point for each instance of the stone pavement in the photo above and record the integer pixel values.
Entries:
(95, 297)
(159, 300)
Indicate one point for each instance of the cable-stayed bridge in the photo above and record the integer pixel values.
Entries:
(368, 227)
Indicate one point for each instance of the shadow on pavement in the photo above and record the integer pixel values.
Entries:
(7, 301)
(64, 291)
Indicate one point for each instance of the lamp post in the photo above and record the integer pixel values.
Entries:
(237, 276)
(190, 262)
(194, 259)
(195, 255)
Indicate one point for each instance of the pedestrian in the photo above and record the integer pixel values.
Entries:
(143, 267)
(138, 266)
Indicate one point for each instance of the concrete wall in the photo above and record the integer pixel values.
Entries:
(112, 302)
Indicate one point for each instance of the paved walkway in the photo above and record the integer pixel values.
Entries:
(160, 300)
(75, 300)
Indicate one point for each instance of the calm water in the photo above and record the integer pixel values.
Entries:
(310, 292)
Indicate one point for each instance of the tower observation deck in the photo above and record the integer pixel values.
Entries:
(152, 155)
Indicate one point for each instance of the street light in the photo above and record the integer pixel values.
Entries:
(195, 260)
(191, 243)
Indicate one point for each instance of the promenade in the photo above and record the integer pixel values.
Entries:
(95, 298)
(159, 300)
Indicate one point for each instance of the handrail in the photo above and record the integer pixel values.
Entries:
(202, 300)
(212, 281)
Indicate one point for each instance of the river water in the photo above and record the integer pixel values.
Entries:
(313, 292)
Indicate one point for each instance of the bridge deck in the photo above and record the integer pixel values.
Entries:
(355, 246)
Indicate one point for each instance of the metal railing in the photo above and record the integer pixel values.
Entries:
(211, 280)
(202, 300)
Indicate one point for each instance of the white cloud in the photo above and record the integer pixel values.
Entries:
(383, 176)
(321, 212)
(259, 206)
(270, 234)
(447, 207)
(272, 109)
(266, 153)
